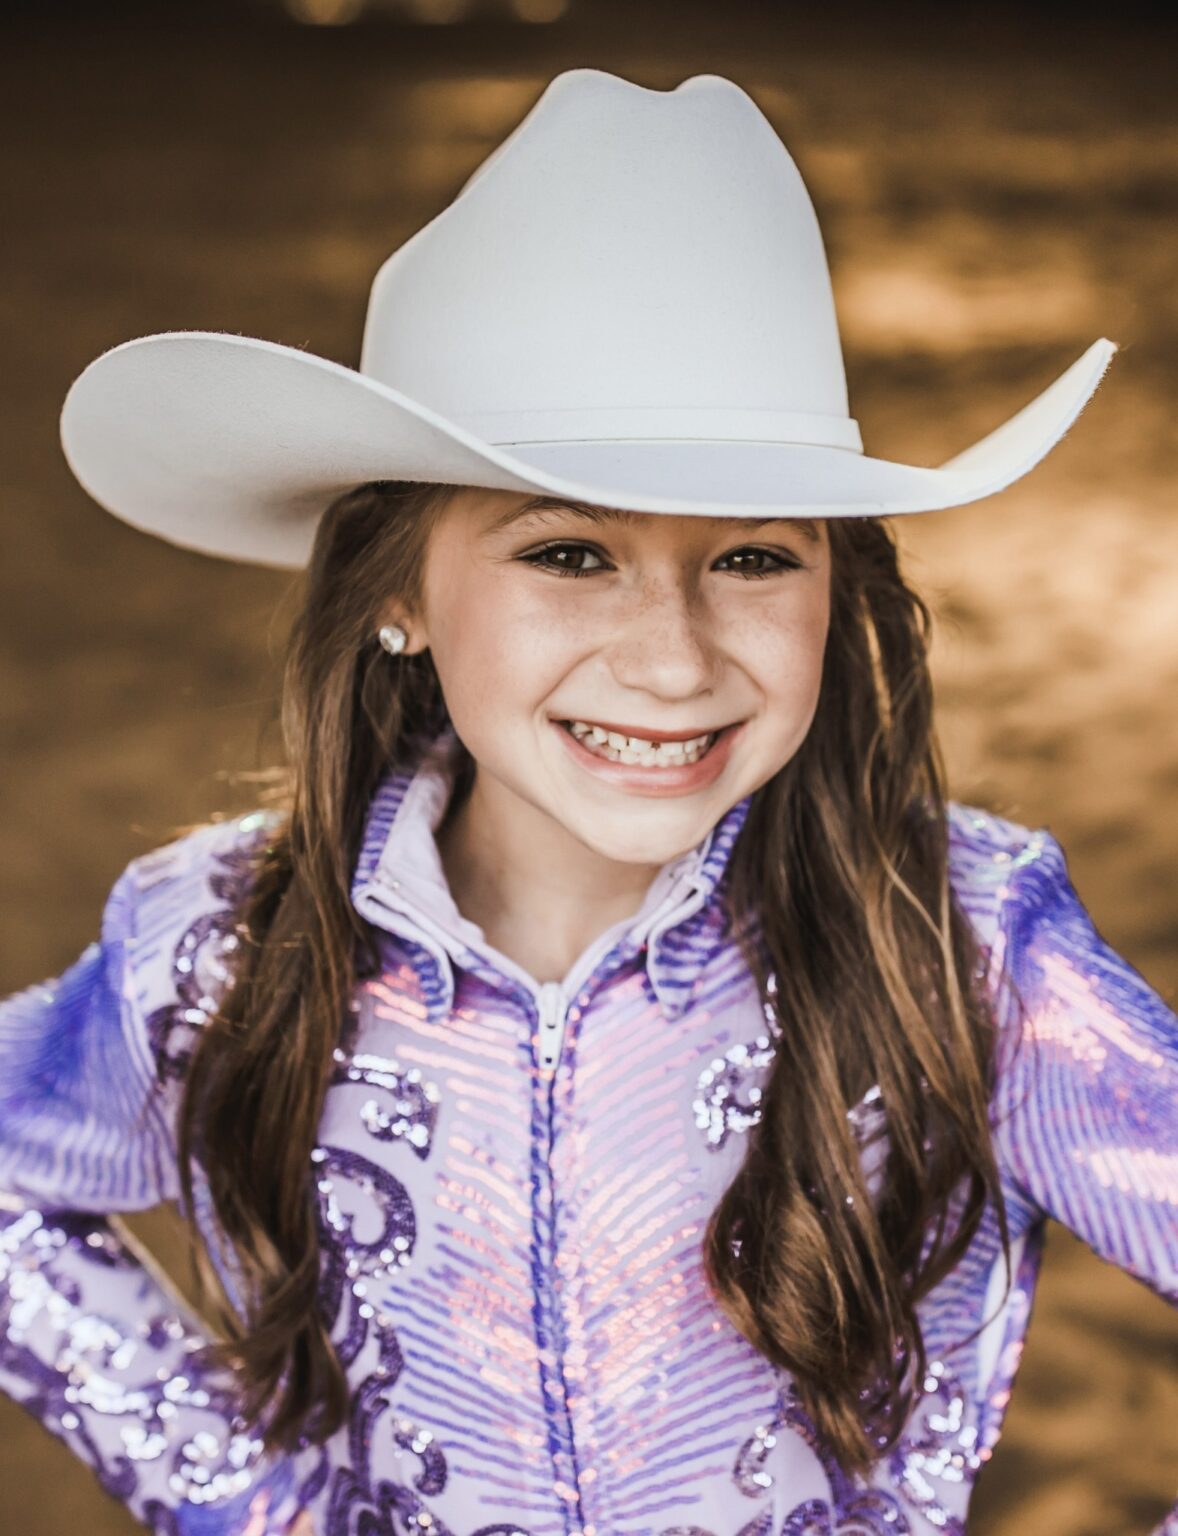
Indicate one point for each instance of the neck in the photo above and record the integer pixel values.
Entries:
(539, 896)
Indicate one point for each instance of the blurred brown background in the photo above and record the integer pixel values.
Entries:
(997, 189)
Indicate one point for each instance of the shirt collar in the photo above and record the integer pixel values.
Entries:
(400, 885)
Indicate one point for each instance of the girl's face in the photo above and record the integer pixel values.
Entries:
(542, 613)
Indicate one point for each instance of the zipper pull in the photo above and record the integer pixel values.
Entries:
(551, 1009)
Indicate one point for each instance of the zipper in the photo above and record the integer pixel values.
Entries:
(549, 998)
(552, 1010)
(552, 1006)
(551, 1001)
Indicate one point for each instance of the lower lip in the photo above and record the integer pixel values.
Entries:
(656, 781)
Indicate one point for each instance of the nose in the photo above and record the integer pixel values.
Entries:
(664, 642)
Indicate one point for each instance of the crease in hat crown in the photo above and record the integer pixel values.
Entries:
(626, 303)
(737, 336)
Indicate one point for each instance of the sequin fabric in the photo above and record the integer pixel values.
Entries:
(510, 1253)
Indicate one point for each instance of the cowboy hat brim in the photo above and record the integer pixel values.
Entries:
(234, 446)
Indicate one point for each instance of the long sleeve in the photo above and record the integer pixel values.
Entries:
(93, 1342)
(1087, 1124)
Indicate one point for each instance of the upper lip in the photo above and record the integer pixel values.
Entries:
(644, 733)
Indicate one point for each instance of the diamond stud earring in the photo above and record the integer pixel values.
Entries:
(393, 638)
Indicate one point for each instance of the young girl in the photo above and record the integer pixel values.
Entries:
(620, 1094)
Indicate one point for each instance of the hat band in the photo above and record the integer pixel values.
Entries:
(520, 429)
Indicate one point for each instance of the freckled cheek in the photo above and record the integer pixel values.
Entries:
(494, 658)
(810, 654)
(784, 653)
(790, 693)
(546, 636)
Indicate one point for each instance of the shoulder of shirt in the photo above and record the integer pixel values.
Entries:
(993, 858)
(977, 835)
(162, 893)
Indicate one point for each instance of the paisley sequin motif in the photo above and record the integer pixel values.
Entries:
(202, 960)
(91, 1368)
(938, 1449)
(728, 1091)
(407, 1110)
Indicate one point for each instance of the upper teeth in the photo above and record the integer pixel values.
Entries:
(638, 743)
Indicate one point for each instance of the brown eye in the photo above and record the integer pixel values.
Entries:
(748, 557)
(539, 558)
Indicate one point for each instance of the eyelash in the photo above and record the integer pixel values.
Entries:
(782, 562)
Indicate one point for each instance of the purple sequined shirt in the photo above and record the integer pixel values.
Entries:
(513, 1180)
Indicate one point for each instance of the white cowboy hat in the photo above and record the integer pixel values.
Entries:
(627, 303)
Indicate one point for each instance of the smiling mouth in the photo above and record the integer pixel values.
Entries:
(638, 750)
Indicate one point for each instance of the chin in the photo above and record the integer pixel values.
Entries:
(629, 837)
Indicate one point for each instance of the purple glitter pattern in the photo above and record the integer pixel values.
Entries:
(93, 1343)
(202, 958)
(510, 1252)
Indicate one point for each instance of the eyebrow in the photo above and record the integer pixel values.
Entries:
(536, 506)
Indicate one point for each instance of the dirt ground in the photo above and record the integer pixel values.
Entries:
(993, 197)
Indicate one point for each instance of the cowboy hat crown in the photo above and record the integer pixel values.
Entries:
(669, 284)
(627, 303)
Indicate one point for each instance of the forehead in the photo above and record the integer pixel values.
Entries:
(541, 508)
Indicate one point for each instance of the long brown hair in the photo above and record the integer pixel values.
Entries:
(838, 889)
